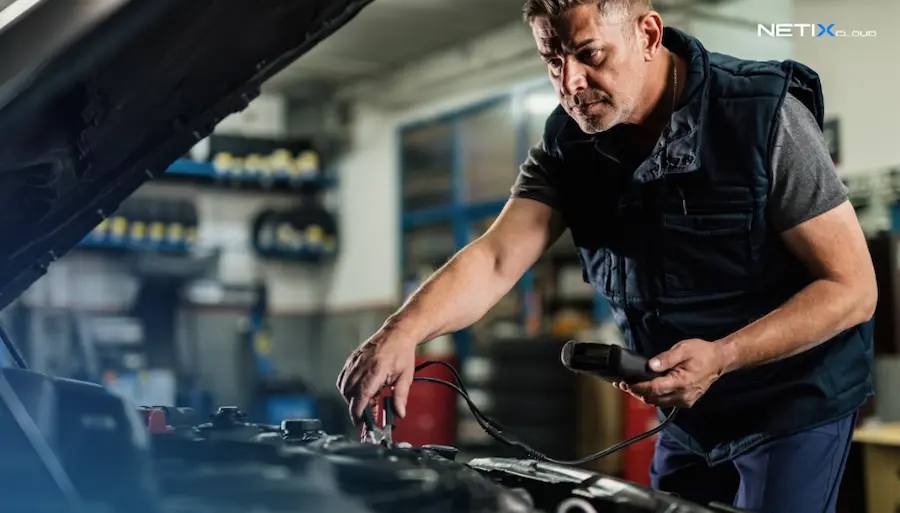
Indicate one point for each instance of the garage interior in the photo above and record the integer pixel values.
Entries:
(249, 271)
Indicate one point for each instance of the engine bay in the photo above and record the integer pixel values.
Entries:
(72, 446)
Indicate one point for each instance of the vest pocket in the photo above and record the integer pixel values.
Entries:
(706, 253)
(595, 269)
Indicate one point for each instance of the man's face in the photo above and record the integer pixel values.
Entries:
(596, 64)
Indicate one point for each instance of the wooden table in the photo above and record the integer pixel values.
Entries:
(882, 466)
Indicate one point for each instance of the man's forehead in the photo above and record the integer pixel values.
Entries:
(567, 34)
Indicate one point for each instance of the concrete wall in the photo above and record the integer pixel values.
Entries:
(266, 116)
(859, 77)
(732, 28)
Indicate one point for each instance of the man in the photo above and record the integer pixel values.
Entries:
(705, 207)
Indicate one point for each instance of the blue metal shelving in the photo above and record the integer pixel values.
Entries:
(303, 254)
(418, 218)
(207, 171)
(123, 243)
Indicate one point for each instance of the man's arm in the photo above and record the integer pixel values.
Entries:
(462, 291)
(843, 294)
(810, 209)
(476, 278)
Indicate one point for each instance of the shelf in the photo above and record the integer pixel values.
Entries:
(420, 218)
(306, 254)
(148, 258)
(206, 173)
(125, 244)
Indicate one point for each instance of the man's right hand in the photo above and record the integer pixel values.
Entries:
(388, 358)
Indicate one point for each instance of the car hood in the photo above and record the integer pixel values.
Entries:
(100, 96)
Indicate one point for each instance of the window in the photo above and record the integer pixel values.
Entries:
(427, 166)
(487, 144)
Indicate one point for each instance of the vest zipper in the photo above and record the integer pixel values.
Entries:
(683, 200)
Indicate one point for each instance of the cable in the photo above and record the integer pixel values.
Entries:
(460, 389)
(494, 429)
(12, 349)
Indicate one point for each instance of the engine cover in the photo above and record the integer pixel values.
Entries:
(229, 462)
(70, 446)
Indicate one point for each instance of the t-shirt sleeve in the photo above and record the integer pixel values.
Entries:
(804, 183)
(538, 178)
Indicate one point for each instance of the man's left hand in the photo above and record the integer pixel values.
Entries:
(691, 366)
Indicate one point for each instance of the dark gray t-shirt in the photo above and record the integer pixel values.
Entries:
(804, 181)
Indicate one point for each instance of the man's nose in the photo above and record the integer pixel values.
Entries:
(573, 77)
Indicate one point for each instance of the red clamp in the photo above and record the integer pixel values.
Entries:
(156, 421)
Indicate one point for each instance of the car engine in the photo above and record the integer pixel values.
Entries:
(72, 446)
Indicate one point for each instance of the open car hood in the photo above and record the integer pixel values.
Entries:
(99, 96)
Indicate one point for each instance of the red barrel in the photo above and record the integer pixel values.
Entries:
(638, 418)
(431, 408)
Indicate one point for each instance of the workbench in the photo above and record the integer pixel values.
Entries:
(881, 453)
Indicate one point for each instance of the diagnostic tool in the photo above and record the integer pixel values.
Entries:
(607, 362)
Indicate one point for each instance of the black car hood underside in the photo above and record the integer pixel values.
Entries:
(99, 96)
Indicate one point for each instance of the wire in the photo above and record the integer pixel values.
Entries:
(494, 429)
(12, 349)
(460, 388)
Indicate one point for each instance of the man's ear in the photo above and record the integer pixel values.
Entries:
(650, 32)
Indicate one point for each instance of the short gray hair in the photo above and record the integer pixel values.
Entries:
(554, 8)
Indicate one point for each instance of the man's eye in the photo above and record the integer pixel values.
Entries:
(555, 63)
(592, 56)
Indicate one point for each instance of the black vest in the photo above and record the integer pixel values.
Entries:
(681, 248)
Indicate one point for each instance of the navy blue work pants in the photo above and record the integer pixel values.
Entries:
(798, 473)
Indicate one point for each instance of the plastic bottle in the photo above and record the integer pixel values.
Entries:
(175, 229)
(118, 225)
(137, 222)
(158, 219)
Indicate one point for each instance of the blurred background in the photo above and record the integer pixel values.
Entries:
(247, 274)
